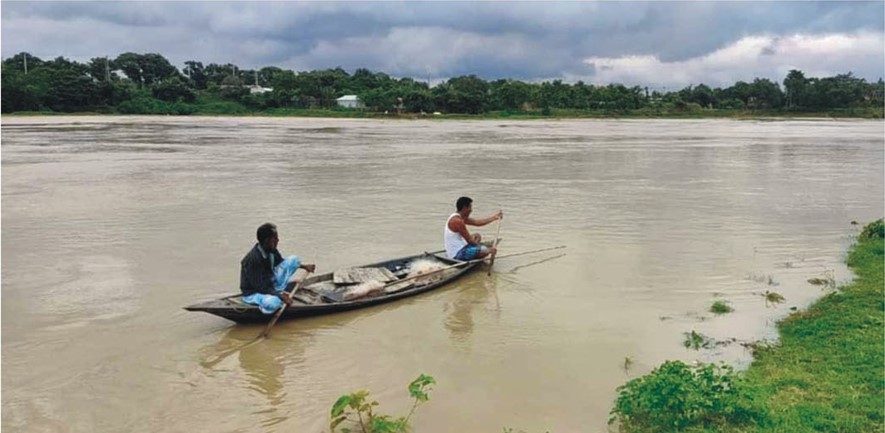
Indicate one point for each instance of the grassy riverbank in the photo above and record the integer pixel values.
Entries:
(825, 375)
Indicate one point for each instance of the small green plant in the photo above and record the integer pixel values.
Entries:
(628, 362)
(368, 421)
(720, 307)
(874, 230)
(773, 297)
(675, 396)
(828, 281)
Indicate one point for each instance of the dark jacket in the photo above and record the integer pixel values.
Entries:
(256, 273)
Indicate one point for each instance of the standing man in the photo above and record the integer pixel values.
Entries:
(459, 243)
(264, 274)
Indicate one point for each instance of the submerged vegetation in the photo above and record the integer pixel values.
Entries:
(695, 340)
(826, 373)
(628, 363)
(135, 83)
(827, 281)
(773, 297)
(720, 307)
(766, 279)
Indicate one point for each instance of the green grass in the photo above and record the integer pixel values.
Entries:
(825, 375)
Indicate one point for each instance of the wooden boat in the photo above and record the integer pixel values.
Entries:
(321, 295)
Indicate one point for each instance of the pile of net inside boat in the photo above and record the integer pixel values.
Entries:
(355, 283)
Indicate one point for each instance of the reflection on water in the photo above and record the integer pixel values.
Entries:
(264, 370)
(110, 225)
(474, 293)
(263, 363)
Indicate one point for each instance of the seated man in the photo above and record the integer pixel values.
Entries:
(460, 245)
(264, 274)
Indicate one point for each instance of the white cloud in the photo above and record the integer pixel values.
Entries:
(763, 56)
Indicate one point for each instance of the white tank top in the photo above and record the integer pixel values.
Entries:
(453, 241)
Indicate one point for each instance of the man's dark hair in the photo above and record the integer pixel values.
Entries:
(463, 202)
(265, 232)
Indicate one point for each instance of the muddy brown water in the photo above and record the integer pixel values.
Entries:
(111, 224)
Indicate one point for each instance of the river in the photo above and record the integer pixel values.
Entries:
(110, 225)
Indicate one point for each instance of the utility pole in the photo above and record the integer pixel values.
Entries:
(107, 71)
(26, 63)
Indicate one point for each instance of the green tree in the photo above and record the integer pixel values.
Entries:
(465, 94)
(145, 69)
(173, 89)
(195, 72)
(796, 89)
(285, 89)
(766, 94)
(582, 95)
(18, 61)
(381, 99)
(267, 74)
(232, 88)
(511, 95)
(363, 80)
(874, 93)
(155, 68)
(70, 86)
(841, 91)
(418, 100)
(101, 69)
(21, 92)
(703, 95)
(215, 73)
(129, 63)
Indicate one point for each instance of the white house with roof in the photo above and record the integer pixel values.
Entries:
(256, 89)
(350, 101)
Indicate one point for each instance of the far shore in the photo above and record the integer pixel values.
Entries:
(554, 115)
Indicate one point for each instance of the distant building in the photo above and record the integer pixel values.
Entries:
(350, 101)
(256, 89)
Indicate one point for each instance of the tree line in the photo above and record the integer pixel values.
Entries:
(148, 83)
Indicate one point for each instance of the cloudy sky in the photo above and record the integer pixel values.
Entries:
(658, 44)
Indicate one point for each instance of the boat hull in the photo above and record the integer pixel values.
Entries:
(232, 308)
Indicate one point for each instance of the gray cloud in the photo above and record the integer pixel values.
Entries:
(491, 39)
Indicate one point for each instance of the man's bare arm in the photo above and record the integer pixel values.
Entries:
(483, 221)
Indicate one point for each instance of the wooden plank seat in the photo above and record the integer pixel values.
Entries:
(362, 275)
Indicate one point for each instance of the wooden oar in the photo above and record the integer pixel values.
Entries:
(497, 240)
(470, 262)
(276, 317)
